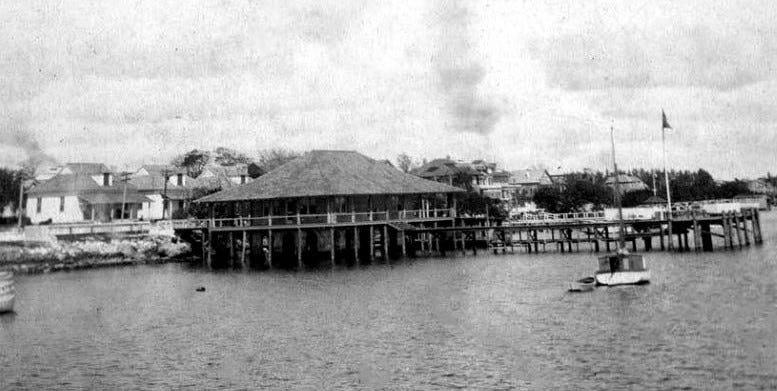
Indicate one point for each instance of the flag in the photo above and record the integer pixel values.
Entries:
(666, 123)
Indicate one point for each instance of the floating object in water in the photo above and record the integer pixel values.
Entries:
(7, 292)
(583, 285)
(201, 289)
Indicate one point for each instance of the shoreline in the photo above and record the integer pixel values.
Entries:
(91, 252)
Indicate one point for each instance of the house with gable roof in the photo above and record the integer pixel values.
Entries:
(82, 192)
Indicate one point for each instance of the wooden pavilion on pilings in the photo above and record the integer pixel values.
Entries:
(324, 206)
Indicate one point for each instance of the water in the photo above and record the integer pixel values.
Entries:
(488, 322)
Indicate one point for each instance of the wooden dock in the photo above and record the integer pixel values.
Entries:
(294, 241)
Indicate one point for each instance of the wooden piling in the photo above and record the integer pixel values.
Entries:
(243, 250)
(736, 227)
(356, 245)
(299, 247)
(372, 244)
(744, 229)
(269, 248)
(231, 250)
(332, 247)
(385, 243)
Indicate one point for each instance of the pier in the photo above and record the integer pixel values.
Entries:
(302, 240)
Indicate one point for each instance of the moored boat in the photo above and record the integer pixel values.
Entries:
(622, 269)
(7, 292)
(583, 285)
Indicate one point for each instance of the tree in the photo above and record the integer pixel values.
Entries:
(230, 157)
(548, 198)
(193, 161)
(274, 158)
(404, 162)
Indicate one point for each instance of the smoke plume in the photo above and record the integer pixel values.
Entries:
(15, 132)
(460, 74)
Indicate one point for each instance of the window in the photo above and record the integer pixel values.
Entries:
(106, 179)
(180, 180)
(242, 179)
(61, 204)
(38, 206)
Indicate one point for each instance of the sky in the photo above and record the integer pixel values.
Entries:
(522, 83)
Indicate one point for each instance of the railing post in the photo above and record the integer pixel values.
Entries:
(269, 220)
(298, 218)
(371, 215)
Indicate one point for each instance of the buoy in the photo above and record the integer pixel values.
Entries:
(201, 289)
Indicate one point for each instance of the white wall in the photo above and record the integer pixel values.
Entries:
(50, 210)
(152, 210)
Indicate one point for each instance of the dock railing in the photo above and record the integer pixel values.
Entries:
(543, 218)
(345, 218)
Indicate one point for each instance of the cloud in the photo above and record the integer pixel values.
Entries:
(680, 55)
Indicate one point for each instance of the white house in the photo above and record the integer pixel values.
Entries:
(75, 197)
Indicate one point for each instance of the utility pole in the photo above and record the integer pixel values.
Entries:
(165, 201)
(124, 178)
(21, 198)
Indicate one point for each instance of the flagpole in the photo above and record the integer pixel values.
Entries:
(668, 195)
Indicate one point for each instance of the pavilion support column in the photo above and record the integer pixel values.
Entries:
(372, 244)
(356, 245)
(402, 243)
(436, 240)
(243, 252)
(607, 238)
(299, 247)
(231, 250)
(209, 255)
(386, 243)
(332, 247)
(268, 252)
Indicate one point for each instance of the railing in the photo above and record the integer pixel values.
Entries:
(542, 218)
(99, 228)
(315, 219)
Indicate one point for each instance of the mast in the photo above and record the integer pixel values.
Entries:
(621, 229)
(666, 178)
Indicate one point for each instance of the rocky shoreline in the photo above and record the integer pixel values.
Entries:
(91, 252)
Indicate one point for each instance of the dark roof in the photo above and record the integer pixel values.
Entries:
(87, 168)
(443, 167)
(329, 173)
(654, 200)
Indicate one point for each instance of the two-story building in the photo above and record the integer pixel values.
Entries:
(168, 188)
(82, 192)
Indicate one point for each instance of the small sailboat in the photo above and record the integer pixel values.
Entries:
(621, 268)
(7, 292)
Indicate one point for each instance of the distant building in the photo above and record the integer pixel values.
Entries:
(224, 177)
(450, 172)
(628, 183)
(528, 181)
(760, 186)
(82, 192)
(169, 190)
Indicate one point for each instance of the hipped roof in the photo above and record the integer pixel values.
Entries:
(330, 173)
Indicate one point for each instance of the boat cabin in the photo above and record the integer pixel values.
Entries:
(621, 263)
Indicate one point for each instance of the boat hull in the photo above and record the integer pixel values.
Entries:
(6, 302)
(583, 285)
(623, 278)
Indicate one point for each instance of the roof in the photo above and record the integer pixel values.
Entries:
(159, 169)
(82, 186)
(330, 173)
(443, 167)
(86, 168)
(114, 198)
(654, 200)
(530, 176)
(156, 184)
